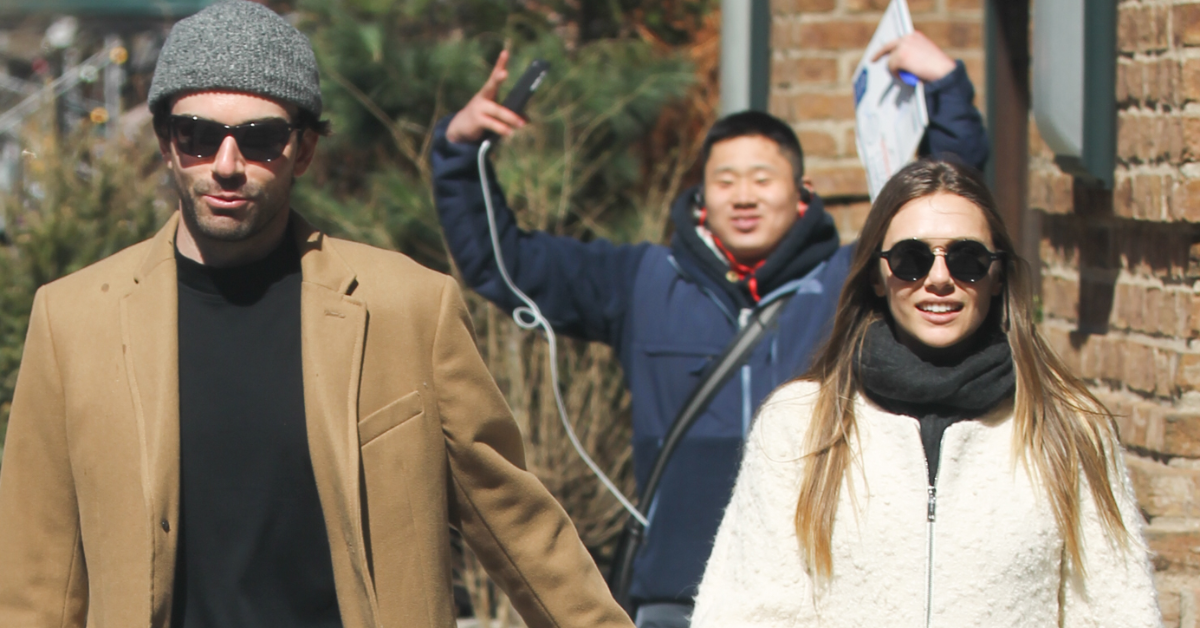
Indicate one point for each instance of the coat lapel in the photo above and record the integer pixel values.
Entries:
(149, 333)
(333, 331)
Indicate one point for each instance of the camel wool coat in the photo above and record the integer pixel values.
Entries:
(407, 431)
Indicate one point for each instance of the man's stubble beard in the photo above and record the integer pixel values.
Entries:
(263, 206)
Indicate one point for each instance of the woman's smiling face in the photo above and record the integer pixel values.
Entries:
(937, 311)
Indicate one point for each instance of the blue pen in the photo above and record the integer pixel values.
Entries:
(909, 78)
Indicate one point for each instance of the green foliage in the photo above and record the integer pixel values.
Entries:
(390, 76)
(82, 200)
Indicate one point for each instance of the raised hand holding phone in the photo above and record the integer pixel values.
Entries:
(484, 119)
(483, 115)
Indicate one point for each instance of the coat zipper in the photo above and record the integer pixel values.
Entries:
(931, 517)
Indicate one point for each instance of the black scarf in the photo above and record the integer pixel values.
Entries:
(811, 240)
(936, 394)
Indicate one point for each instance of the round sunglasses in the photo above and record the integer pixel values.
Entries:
(967, 260)
(261, 141)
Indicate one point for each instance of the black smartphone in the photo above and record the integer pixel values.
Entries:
(516, 99)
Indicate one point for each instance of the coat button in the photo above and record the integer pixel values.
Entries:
(165, 526)
(732, 276)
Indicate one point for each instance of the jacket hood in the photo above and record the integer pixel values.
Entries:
(811, 240)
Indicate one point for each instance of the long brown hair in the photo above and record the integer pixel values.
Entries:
(1059, 426)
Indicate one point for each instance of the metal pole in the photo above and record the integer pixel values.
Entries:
(745, 55)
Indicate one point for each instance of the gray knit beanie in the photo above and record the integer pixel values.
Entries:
(239, 46)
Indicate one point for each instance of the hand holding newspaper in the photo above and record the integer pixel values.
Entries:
(890, 114)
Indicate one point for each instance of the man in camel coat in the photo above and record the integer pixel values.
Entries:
(243, 422)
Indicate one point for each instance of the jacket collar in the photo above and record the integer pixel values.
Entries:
(319, 264)
(811, 240)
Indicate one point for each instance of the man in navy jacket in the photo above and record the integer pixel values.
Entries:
(752, 233)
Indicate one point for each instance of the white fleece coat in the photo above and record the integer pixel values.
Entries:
(997, 556)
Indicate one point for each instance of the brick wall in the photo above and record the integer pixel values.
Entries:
(816, 45)
(1121, 281)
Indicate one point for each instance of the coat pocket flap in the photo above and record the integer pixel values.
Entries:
(389, 416)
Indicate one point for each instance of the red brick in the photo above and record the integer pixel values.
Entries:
(835, 35)
(1059, 340)
(1158, 315)
(781, 34)
(1181, 435)
(1189, 372)
(804, 6)
(1164, 491)
(805, 71)
(1148, 198)
(1134, 363)
(1128, 307)
(1127, 31)
(1191, 138)
(1130, 424)
(914, 6)
(1173, 543)
(1150, 69)
(860, 6)
(1170, 607)
(1161, 81)
(1051, 191)
(1129, 86)
(952, 34)
(1144, 427)
(1152, 32)
(1123, 194)
(1157, 145)
(1091, 358)
(850, 143)
(1140, 136)
(1194, 317)
(1128, 136)
(1172, 138)
(818, 144)
(1176, 314)
(1189, 81)
(1185, 200)
(807, 107)
(1186, 21)
(1168, 82)
(849, 218)
(839, 181)
(1060, 298)
(1166, 372)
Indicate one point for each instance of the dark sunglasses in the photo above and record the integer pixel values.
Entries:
(258, 141)
(967, 260)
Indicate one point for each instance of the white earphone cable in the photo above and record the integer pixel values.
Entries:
(529, 317)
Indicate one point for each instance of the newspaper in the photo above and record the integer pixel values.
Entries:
(890, 114)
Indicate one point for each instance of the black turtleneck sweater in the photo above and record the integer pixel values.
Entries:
(253, 548)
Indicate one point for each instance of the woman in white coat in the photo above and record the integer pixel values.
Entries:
(938, 465)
